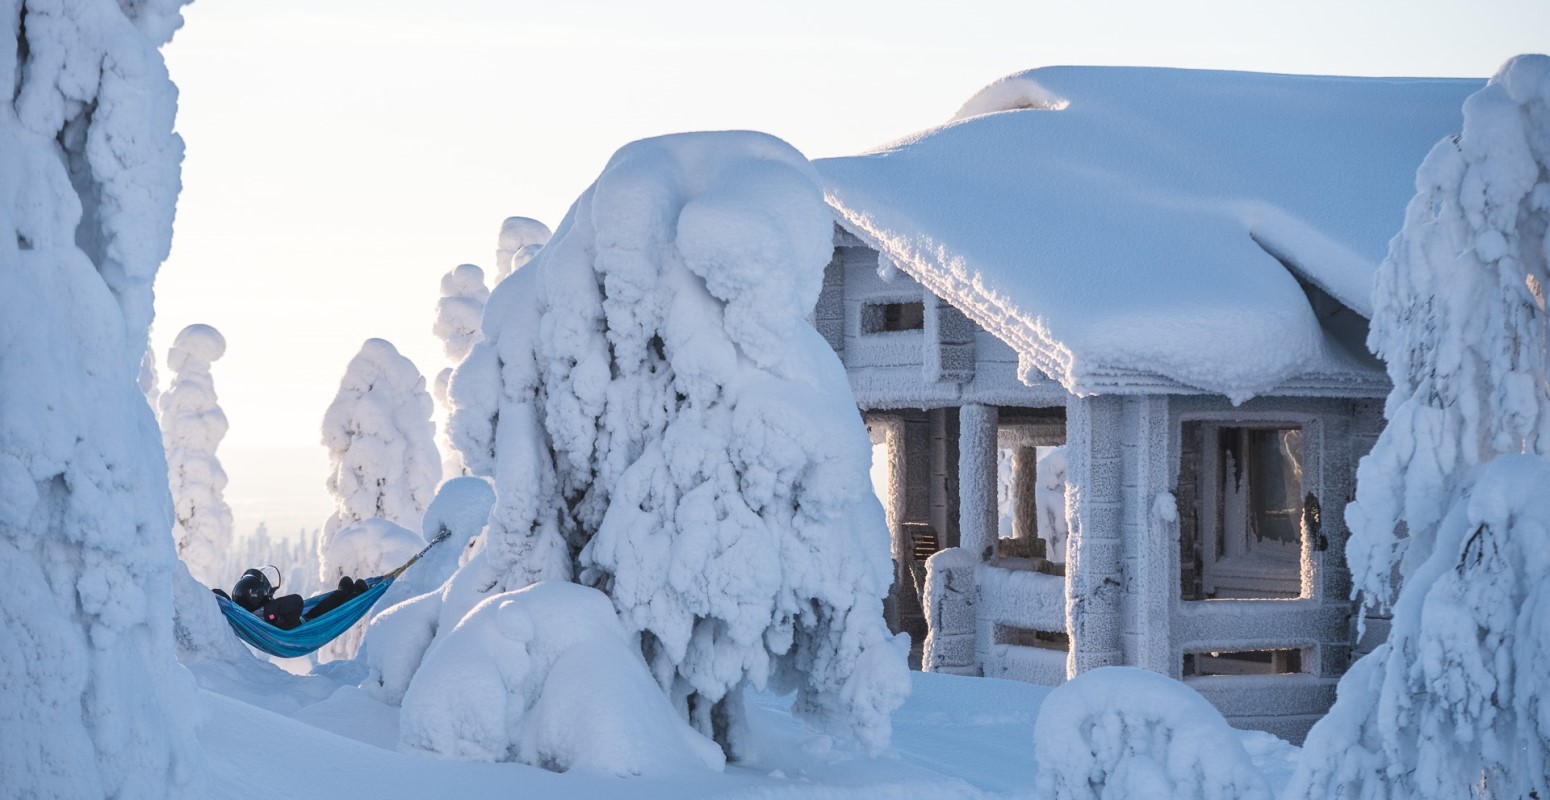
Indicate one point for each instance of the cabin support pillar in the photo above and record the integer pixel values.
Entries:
(1094, 581)
(977, 480)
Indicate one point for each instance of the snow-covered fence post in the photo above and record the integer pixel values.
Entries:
(192, 426)
(951, 600)
(94, 702)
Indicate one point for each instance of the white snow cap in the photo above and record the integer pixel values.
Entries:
(547, 676)
(520, 240)
(1138, 233)
(1012, 93)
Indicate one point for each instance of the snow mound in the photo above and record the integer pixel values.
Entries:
(1012, 93)
(370, 547)
(1170, 228)
(547, 676)
(1121, 732)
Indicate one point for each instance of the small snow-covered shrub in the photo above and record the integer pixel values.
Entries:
(547, 676)
(192, 426)
(1118, 733)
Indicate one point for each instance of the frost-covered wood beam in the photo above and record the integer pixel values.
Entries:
(977, 479)
(1093, 580)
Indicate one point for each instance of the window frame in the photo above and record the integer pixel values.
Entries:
(1234, 563)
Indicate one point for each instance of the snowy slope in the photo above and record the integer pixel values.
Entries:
(955, 738)
(1128, 219)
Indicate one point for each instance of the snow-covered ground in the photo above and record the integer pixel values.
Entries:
(316, 737)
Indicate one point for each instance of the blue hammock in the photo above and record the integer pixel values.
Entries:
(309, 635)
(313, 633)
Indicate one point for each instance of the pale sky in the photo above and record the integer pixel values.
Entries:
(343, 154)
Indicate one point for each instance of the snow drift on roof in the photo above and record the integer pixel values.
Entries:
(1156, 220)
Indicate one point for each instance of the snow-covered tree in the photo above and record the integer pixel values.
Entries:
(520, 240)
(1457, 702)
(381, 445)
(192, 426)
(463, 295)
(94, 701)
(662, 423)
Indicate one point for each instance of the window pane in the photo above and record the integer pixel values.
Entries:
(1275, 484)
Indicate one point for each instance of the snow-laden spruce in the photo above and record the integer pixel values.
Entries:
(1119, 733)
(1457, 702)
(192, 426)
(95, 704)
(381, 444)
(662, 423)
(520, 240)
(463, 295)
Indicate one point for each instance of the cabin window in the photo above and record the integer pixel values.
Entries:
(1248, 517)
(889, 317)
(1248, 662)
(1030, 637)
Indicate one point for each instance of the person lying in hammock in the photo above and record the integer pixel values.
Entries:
(254, 593)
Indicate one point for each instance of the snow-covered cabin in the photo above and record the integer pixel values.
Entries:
(1169, 273)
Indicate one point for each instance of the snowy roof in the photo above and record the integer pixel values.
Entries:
(1117, 224)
